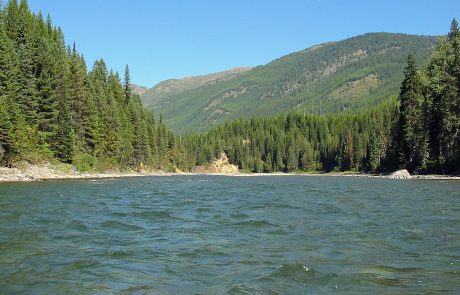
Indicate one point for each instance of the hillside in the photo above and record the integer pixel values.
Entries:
(137, 89)
(355, 73)
(158, 95)
(418, 131)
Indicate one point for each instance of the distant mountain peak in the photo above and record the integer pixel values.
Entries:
(174, 86)
(137, 89)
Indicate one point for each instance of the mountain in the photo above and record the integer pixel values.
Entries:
(158, 95)
(137, 89)
(356, 73)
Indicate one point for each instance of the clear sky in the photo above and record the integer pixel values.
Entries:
(173, 39)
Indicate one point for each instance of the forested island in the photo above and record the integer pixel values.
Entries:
(54, 110)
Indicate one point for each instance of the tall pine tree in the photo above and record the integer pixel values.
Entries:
(411, 141)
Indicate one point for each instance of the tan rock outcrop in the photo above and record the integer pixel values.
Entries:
(400, 174)
(220, 166)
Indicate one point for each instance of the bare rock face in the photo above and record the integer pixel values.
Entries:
(220, 166)
(400, 174)
(137, 89)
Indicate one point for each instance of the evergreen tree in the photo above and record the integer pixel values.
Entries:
(127, 84)
(444, 101)
(411, 141)
(78, 100)
(454, 104)
(12, 19)
(64, 143)
(49, 104)
(27, 95)
(8, 65)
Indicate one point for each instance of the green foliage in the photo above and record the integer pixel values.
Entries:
(84, 162)
(107, 164)
(62, 167)
(420, 133)
(300, 142)
(426, 138)
(52, 108)
(355, 74)
(410, 133)
(442, 103)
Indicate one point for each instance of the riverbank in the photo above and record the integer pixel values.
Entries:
(351, 174)
(28, 173)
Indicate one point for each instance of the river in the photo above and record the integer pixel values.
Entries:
(230, 235)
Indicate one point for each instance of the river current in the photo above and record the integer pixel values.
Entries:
(230, 235)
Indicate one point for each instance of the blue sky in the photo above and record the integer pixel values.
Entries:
(173, 39)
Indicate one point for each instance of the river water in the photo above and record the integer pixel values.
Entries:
(230, 235)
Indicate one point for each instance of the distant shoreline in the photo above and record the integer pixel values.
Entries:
(347, 174)
(47, 172)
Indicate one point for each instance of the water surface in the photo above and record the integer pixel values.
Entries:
(230, 235)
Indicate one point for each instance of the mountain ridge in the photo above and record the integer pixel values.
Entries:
(173, 86)
(355, 73)
(138, 89)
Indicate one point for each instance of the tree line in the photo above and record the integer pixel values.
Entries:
(300, 142)
(418, 131)
(53, 108)
(427, 136)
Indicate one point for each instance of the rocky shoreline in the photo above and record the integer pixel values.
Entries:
(348, 174)
(49, 172)
(45, 172)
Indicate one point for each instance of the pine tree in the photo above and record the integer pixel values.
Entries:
(8, 90)
(27, 95)
(2, 14)
(64, 137)
(444, 101)
(78, 101)
(46, 82)
(12, 19)
(8, 65)
(411, 141)
(49, 103)
(454, 32)
(127, 85)
(374, 152)
(454, 104)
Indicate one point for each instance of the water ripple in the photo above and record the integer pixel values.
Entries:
(230, 235)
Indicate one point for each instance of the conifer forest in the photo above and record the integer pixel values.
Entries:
(53, 108)
(419, 130)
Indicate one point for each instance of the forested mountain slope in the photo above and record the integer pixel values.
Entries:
(355, 73)
(418, 131)
(160, 93)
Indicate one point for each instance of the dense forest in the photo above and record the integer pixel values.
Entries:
(300, 142)
(427, 133)
(419, 130)
(53, 109)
